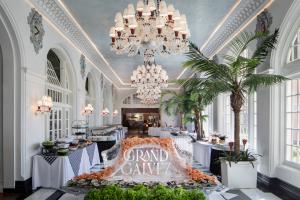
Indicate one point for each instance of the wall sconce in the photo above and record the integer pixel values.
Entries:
(115, 113)
(44, 105)
(88, 110)
(105, 112)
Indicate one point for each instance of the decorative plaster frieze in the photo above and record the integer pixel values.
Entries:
(63, 22)
(244, 11)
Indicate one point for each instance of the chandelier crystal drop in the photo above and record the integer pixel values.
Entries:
(155, 25)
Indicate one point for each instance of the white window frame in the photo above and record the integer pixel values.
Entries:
(60, 103)
(289, 162)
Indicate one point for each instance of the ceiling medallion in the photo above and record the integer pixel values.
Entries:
(151, 25)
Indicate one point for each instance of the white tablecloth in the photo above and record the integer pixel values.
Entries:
(184, 143)
(154, 131)
(60, 171)
(202, 153)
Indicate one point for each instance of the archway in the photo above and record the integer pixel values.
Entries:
(11, 132)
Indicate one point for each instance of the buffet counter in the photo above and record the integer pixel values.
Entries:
(55, 171)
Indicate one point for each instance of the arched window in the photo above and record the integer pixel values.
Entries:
(59, 88)
(294, 49)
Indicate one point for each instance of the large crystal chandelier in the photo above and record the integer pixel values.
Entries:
(149, 79)
(156, 26)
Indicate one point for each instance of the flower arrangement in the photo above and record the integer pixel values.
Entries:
(164, 143)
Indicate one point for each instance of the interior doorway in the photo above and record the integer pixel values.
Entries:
(138, 120)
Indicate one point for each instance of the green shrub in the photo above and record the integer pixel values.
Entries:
(111, 192)
(141, 192)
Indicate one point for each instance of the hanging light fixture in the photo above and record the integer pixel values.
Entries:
(149, 79)
(151, 23)
(149, 74)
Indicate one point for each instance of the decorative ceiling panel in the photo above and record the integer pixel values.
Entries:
(96, 17)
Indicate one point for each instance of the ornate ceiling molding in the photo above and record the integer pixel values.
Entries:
(57, 15)
(234, 23)
(243, 14)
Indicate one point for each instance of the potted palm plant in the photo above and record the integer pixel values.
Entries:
(190, 103)
(237, 75)
(174, 104)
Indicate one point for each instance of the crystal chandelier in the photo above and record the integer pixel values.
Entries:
(149, 79)
(149, 74)
(148, 95)
(156, 26)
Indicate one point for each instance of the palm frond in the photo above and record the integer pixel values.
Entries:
(200, 63)
(261, 53)
(262, 80)
(239, 44)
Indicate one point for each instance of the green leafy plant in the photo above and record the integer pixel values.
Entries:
(111, 192)
(190, 102)
(141, 192)
(237, 74)
(242, 156)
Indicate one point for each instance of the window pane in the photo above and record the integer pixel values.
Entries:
(288, 120)
(288, 88)
(288, 153)
(294, 87)
(288, 136)
(294, 103)
(292, 121)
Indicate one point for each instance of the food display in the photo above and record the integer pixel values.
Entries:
(62, 147)
(48, 144)
(62, 152)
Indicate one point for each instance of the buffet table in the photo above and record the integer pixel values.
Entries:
(202, 153)
(56, 171)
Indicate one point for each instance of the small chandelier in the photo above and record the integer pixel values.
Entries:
(157, 25)
(88, 110)
(44, 105)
